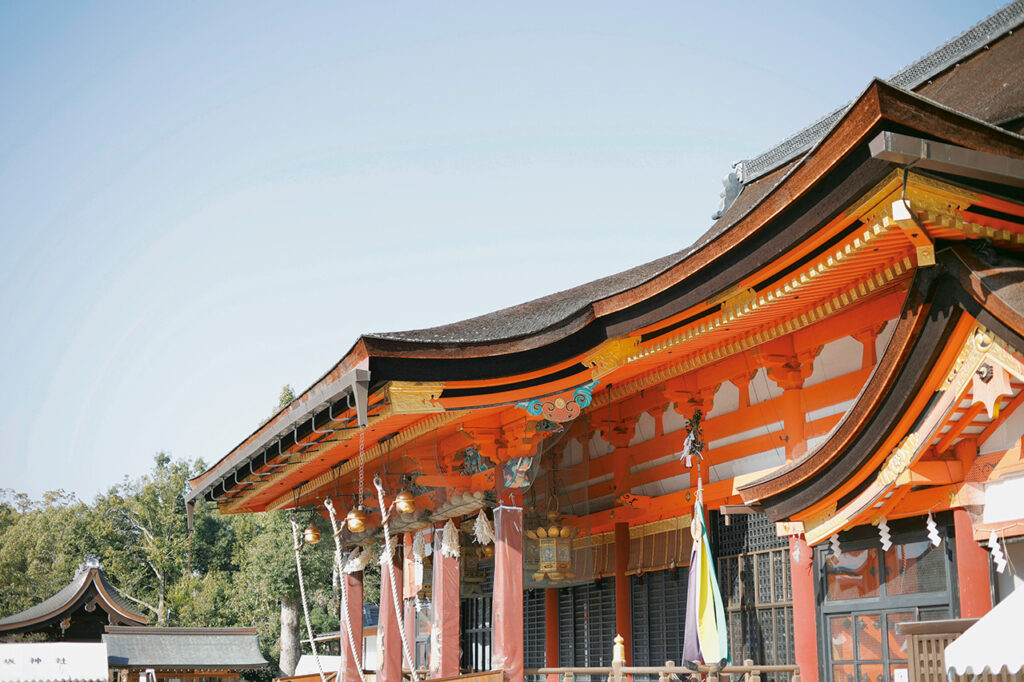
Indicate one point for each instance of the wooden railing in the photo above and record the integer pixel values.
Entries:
(670, 672)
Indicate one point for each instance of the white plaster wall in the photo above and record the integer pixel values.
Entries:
(599, 447)
(727, 400)
(644, 430)
(1006, 436)
(762, 388)
(672, 420)
(1004, 500)
(840, 357)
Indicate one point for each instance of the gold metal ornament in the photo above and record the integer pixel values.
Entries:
(311, 535)
(555, 545)
(405, 502)
(356, 520)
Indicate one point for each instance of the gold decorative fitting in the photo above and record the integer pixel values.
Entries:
(611, 355)
(311, 535)
(900, 459)
(555, 549)
(415, 397)
(735, 300)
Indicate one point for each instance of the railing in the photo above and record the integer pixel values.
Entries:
(670, 672)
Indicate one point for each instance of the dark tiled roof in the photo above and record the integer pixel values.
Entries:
(69, 598)
(535, 316)
(192, 648)
(909, 78)
(987, 85)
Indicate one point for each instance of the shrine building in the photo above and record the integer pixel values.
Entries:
(839, 360)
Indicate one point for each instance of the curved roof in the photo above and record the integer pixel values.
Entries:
(89, 583)
(542, 346)
(976, 54)
(187, 648)
(962, 282)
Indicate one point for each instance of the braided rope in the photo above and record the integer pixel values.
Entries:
(302, 594)
(389, 550)
(345, 616)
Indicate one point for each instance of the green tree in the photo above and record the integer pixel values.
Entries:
(143, 526)
(41, 545)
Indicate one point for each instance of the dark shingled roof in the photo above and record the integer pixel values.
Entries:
(957, 67)
(70, 598)
(189, 648)
(909, 78)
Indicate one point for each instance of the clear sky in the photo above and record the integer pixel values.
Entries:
(201, 202)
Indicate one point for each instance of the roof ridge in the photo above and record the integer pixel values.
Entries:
(908, 78)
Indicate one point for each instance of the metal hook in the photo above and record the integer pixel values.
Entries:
(330, 413)
(301, 446)
(312, 421)
(260, 475)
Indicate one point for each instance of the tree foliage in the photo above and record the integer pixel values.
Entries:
(231, 570)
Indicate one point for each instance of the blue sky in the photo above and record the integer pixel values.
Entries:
(201, 202)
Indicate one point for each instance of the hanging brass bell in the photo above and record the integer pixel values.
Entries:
(356, 520)
(405, 502)
(311, 535)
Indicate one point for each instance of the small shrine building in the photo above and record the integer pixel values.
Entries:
(846, 343)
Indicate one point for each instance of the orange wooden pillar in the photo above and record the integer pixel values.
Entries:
(444, 631)
(507, 615)
(972, 574)
(805, 637)
(551, 630)
(352, 583)
(390, 654)
(623, 603)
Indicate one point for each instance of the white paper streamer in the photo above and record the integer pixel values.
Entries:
(837, 550)
(419, 548)
(933, 531)
(997, 552)
(884, 535)
(450, 541)
(357, 560)
(483, 530)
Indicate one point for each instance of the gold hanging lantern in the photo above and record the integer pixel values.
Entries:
(555, 544)
(356, 520)
(311, 535)
(405, 502)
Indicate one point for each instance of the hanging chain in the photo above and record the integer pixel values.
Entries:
(362, 467)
